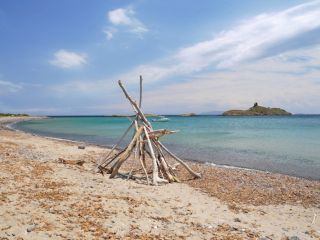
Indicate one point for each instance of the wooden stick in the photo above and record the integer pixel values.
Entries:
(155, 176)
(72, 162)
(140, 96)
(138, 142)
(197, 175)
(144, 134)
(160, 132)
(114, 147)
(141, 158)
(134, 104)
(143, 155)
(163, 163)
(126, 153)
(154, 161)
(112, 159)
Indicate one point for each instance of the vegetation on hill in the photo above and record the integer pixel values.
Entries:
(257, 110)
(13, 115)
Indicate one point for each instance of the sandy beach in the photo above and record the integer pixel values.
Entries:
(41, 198)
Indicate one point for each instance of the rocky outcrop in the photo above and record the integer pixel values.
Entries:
(257, 110)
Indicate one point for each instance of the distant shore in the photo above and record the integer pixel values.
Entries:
(71, 201)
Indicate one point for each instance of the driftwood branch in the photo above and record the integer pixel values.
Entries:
(144, 141)
(134, 104)
(115, 146)
(197, 175)
(155, 176)
(126, 153)
(71, 162)
(140, 95)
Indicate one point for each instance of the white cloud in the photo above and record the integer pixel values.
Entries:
(285, 80)
(125, 17)
(289, 80)
(254, 61)
(9, 87)
(68, 59)
(254, 37)
(261, 36)
(121, 16)
(109, 32)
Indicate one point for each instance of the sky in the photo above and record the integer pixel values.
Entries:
(65, 57)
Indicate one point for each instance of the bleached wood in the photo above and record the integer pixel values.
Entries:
(197, 175)
(71, 162)
(140, 96)
(101, 163)
(139, 148)
(142, 160)
(126, 153)
(134, 105)
(155, 177)
(160, 132)
(144, 135)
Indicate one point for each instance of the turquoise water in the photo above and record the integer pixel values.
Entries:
(289, 145)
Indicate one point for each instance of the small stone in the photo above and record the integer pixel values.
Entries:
(294, 238)
(237, 220)
(81, 147)
(31, 228)
(51, 210)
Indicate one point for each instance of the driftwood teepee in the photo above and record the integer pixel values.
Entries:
(145, 141)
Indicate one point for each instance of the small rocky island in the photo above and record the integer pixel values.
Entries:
(187, 115)
(257, 110)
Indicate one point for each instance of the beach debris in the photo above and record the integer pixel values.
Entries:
(81, 147)
(145, 142)
(237, 220)
(31, 227)
(294, 238)
(71, 162)
(314, 218)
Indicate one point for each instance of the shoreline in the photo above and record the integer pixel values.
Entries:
(108, 147)
(55, 200)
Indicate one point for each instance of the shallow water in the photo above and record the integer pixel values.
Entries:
(289, 144)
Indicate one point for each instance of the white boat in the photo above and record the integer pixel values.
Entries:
(160, 119)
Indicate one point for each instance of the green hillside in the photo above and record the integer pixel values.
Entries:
(257, 110)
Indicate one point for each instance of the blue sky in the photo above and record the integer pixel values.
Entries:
(65, 57)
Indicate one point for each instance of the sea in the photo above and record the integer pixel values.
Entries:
(279, 144)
